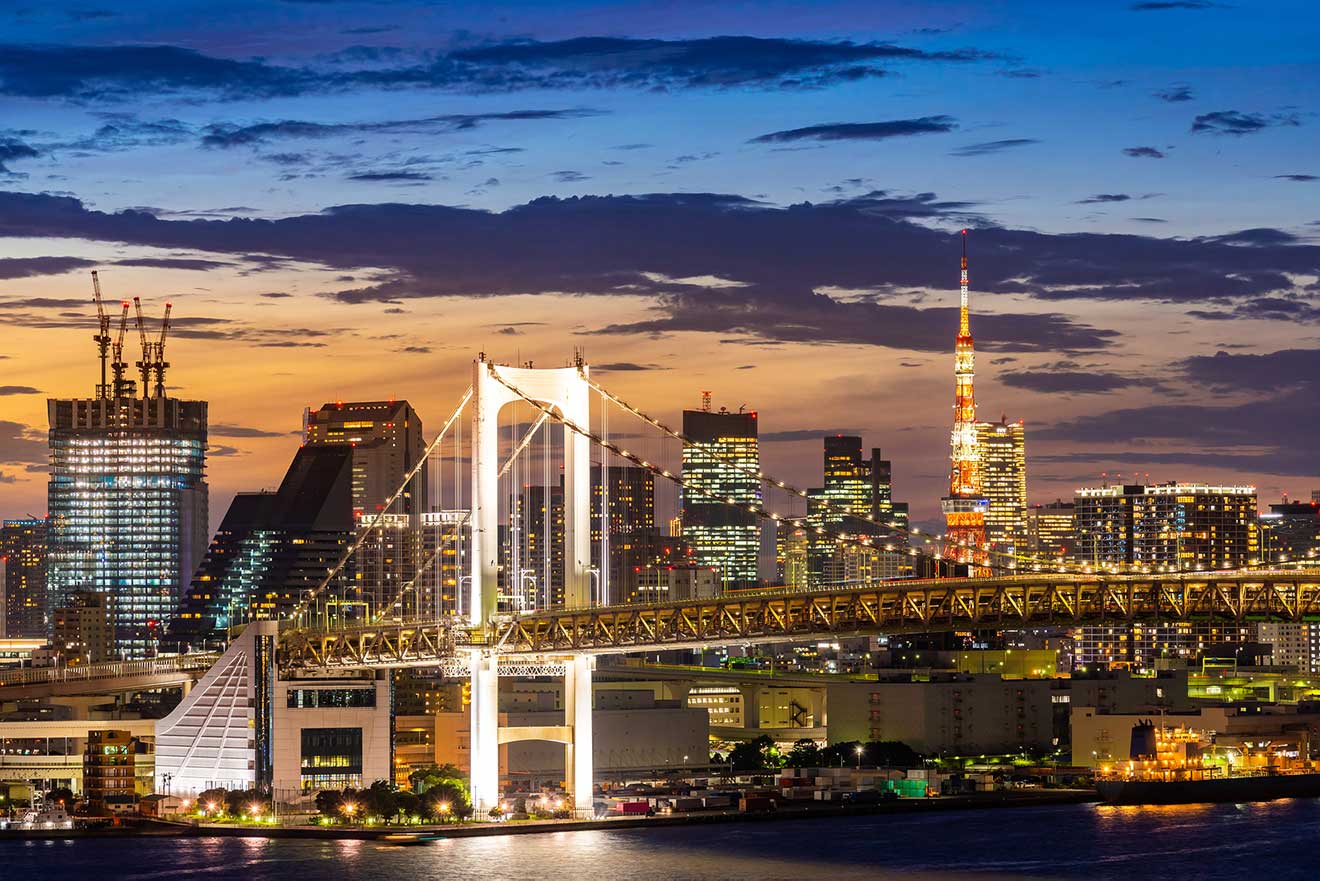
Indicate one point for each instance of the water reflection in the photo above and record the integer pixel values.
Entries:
(1083, 841)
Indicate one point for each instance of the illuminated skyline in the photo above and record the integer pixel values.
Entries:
(762, 204)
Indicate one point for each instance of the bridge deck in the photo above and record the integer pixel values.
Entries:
(1037, 600)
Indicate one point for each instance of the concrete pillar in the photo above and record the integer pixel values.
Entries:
(579, 766)
(751, 701)
(488, 397)
(187, 687)
(485, 740)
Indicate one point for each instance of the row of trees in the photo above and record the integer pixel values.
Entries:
(762, 754)
(438, 794)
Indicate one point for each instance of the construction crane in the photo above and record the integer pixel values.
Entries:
(103, 338)
(123, 386)
(153, 353)
(143, 366)
(159, 364)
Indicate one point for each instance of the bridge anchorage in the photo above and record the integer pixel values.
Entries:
(472, 599)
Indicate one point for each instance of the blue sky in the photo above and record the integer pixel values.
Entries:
(1108, 156)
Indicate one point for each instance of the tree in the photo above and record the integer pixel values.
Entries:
(329, 802)
(423, 779)
(378, 800)
(213, 801)
(446, 801)
(836, 755)
(891, 753)
(756, 755)
(804, 754)
(406, 804)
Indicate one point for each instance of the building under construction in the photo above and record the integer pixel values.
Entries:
(127, 495)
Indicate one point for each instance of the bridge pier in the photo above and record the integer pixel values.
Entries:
(579, 770)
(485, 733)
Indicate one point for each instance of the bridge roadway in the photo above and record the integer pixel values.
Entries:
(108, 678)
(770, 615)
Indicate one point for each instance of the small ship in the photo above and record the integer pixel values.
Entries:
(1173, 766)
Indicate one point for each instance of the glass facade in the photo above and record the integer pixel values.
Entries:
(23, 559)
(718, 527)
(331, 758)
(128, 508)
(1003, 453)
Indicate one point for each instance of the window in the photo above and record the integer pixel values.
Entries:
(338, 698)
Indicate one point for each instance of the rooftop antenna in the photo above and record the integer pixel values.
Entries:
(705, 402)
(103, 338)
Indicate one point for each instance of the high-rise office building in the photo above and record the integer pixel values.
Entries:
(127, 504)
(82, 630)
(720, 525)
(633, 541)
(1180, 526)
(854, 490)
(273, 548)
(23, 570)
(1050, 530)
(1003, 454)
(386, 438)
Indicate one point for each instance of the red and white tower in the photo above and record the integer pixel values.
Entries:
(965, 505)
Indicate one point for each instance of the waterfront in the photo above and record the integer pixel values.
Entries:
(1103, 843)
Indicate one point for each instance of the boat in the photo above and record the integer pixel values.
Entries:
(1171, 766)
(1259, 787)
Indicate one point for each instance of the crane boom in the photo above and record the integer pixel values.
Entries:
(123, 387)
(102, 338)
(159, 364)
(143, 366)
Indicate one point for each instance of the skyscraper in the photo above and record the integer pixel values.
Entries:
(1290, 531)
(965, 505)
(1050, 530)
(854, 489)
(23, 563)
(128, 508)
(1003, 453)
(386, 438)
(720, 530)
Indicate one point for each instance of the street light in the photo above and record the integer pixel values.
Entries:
(860, 749)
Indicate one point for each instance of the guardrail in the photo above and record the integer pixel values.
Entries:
(107, 670)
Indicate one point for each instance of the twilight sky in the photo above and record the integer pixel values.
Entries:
(347, 200)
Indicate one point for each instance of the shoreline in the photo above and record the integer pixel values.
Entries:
(425, 834)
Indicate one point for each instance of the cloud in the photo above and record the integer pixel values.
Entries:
(174, 263)
(1176, 94)
(862, 131)
(389, 176)
(713, 62)
(21, 444)
(626, 366)
(226, 430)
(569, 177)
(1159, 5)
(770, 279)
(803, 434)
(1258, 435)
(1264, 309)
(12, 149)
(1298, 178)
(1143, 153)
(32, 267)
(18, 390)
(1100, 198)
(118, 72)
(416, 350)
(1233, 122)
(224, 135)
(1069, 381)
(986, 147)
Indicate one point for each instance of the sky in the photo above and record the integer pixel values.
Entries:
(349, 200)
